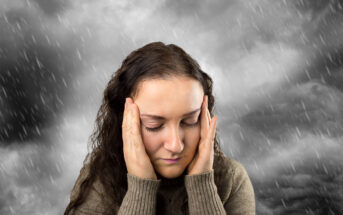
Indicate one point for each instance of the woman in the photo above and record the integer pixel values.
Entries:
(155, 149)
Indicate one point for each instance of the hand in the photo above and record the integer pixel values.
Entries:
(203, 159)
(136, 159)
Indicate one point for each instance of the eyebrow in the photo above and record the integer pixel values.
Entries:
(162, 118)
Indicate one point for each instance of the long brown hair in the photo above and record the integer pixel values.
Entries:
(106, 161)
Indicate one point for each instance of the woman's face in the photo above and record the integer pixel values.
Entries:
(170, 122)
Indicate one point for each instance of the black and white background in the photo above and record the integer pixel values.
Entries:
(277, 67)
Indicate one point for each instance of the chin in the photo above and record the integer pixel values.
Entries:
(171, 172)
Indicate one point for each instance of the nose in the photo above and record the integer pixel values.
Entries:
(173, 141)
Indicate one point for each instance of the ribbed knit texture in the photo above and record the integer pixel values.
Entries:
(202, 194)
(140, 197)
(225, 190)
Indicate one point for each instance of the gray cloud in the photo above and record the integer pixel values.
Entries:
(37, 69)
(52, 7)
(293, 147)
(277, 71)
(306, 184)
(311, 107)
(39, 56)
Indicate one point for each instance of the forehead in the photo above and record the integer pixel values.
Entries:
(169, 97)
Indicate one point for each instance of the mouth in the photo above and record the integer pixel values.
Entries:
(171, 161)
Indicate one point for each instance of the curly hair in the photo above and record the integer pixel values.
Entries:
(106, 160)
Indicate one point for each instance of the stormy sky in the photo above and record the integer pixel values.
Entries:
(277, 68)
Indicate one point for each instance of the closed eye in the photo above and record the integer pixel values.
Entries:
(160, 127)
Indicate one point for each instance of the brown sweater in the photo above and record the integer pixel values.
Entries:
(224, 190)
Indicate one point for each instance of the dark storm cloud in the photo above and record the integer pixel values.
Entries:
(52, 7)
(324, 42)
(306, 109)
(40, 56)
(36, 71)
(205, 10)
(314, 103)
(311, 107)
(326, 68)
(290, 140)
(292, 143)
(296, 145)
(311, 103)
(310, 185)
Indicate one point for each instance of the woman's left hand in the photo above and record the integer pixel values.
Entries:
(203, 159)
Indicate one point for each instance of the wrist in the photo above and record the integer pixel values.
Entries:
(205, 171)
(145, 185)
(142, 175)
(199, 181)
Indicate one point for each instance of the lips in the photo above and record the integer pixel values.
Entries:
(171, 160)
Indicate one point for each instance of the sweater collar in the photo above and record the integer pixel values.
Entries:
(172, 181)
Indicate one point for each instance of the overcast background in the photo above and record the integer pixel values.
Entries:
(278, 80)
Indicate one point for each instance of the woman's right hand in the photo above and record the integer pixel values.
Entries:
(137, 160)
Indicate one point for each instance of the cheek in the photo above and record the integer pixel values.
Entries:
(192, 137)
(151, 142)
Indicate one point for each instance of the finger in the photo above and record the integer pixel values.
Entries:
(204, 119)
(124, 113)
(124, 123)
(127, 111)
(208, 115)
(212, 130)
(126, 131)
(127, 120)
(135, 118)
(132, 116)
(135, 133)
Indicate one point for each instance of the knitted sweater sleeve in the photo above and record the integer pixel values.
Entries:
(202, 194)
(203, 197)
(140, 197)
